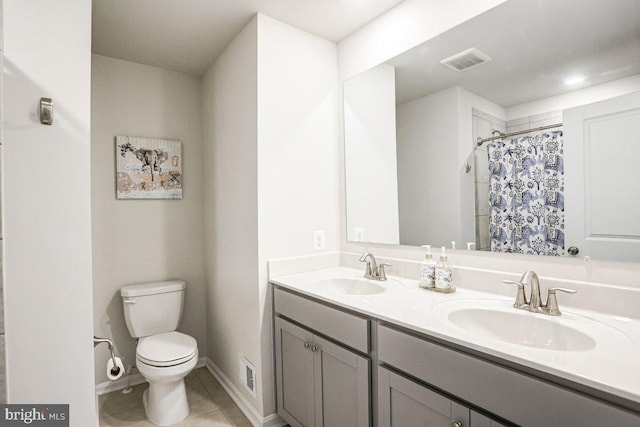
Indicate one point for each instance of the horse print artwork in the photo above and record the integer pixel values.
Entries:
(527, 194)
(148, 168)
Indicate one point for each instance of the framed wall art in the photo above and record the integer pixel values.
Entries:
(148, 168)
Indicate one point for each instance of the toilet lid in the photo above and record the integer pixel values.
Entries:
(166, 349)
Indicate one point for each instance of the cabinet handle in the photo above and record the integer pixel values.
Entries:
(456, 424)
(314, 348)
(307, 344)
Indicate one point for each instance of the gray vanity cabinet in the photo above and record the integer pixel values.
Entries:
(319, 382)
(323, 375)
(405, 403)
(402, 402)
(511, 394)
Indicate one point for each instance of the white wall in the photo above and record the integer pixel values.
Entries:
(297, 139)
(428, 182)
(144, 240)
(297, 152)
(435, 141)
(469, 101)
(47, 206)
(3, 353)
(229, 108)
(372, 176)
(269, 113)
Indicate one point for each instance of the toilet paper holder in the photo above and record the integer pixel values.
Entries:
(97, 340)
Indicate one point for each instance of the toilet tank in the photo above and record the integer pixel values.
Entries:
(153, 308)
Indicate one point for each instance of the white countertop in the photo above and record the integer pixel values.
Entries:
(611, 366)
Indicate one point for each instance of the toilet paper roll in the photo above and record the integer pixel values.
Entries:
(115, 372)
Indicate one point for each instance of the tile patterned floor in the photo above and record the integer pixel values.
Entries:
(210, 405)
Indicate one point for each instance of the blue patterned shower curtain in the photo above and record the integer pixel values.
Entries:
(526, 194)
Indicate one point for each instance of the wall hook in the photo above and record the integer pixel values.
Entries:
(46, 111)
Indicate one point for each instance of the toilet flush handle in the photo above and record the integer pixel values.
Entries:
(129, 300)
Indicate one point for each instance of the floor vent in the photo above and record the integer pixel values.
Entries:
(247, 375)
(465, 60)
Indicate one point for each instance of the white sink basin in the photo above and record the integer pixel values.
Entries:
(522, 328)
(352, 286)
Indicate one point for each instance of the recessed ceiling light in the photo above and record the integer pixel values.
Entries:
(575, 80)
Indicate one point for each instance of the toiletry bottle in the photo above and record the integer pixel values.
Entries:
(428, 271)
(443, 273)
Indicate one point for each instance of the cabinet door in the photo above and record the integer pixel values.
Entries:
(294, 373)
(341, 386)
(479, 420)
(404, 403)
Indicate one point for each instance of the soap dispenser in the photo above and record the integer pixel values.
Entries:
(443, 282)
(428, 271)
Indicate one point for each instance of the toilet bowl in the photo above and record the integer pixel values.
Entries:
(164, 360)
(163, 355)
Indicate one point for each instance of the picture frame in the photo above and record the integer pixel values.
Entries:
(148, 168)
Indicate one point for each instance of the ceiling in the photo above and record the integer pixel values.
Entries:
(188, 35)
(535, 45)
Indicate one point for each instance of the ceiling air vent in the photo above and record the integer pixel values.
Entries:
(465, 60)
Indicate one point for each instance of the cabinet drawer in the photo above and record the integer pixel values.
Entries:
(346, 328)
(517, 397)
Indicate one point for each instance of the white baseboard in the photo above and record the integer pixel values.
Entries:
(135, 379)
(119, 384)
(272, 420)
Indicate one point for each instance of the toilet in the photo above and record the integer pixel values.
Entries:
(164, 356)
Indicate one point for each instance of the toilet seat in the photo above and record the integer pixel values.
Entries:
(166, 349)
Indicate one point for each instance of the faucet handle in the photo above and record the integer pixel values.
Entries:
(382, 274)
(521, 298)
(551, 307)
(567, 290)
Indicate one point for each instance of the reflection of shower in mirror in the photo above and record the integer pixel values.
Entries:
(521, 197)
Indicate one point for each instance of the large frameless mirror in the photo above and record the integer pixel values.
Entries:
(516, 132)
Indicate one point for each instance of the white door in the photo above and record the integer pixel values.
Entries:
(602, 178)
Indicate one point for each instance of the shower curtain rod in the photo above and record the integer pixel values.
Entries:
(505, 135)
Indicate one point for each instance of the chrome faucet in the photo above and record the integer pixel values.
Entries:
(372, 270)
(531, 278)
(534, 303)
(372, 266)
